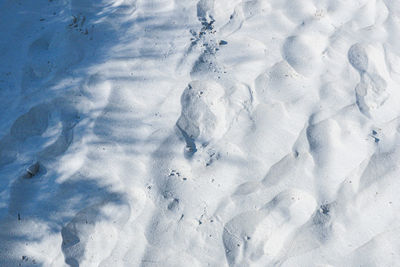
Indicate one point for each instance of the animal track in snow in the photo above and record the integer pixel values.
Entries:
(371, 91)
(203, 113)
(258, 236)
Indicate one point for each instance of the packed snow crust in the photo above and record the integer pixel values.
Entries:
(199, 133)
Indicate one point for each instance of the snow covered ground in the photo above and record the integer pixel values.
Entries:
(199, 133)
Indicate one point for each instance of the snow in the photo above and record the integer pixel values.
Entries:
(199, 132)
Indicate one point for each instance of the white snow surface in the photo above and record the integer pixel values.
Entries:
(199, 133)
